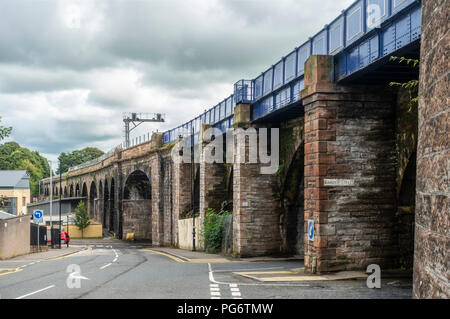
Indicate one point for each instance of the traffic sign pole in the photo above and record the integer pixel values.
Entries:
(37, 216)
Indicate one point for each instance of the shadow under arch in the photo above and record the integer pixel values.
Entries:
(137, 206)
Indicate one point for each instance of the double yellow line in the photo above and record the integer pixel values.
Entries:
(10, 271)
(165, 254)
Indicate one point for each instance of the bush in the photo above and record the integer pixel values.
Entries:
(213, 229)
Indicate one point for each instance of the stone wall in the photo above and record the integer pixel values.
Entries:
(349, 137)
(256, 211)
(431, 272)
(14, 237)
(137, 219)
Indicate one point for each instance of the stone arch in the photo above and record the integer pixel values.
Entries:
(112, 206)
(71, 190)
(137, 186)
(291, 190)
(84, 194)
(77, 190)
(292, 199)
(65, 191)
(106, 205)
(93, 200)
(137, 206)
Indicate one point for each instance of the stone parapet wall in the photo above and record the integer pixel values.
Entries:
(432, 237)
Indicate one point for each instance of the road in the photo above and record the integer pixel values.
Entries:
(122, 270)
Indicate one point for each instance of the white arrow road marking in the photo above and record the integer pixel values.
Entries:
(107, 265)
(76, 275)
(35, 292)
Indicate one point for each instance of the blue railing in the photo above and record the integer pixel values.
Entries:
(363, 33)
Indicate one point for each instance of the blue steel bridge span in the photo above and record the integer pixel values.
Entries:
(359, 43)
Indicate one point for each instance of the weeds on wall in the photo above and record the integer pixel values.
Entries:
(213, 227)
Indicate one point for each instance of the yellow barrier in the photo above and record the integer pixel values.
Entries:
(92, 231)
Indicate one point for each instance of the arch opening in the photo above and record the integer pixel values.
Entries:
(93, 201)
(112, 206)
(106, 203)
(137, 206)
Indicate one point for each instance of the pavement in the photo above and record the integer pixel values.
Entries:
(50, 254)
(113, 269)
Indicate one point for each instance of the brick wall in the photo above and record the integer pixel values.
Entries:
(181, 192)
(256, 212)
(137, 218)
(431, 272)
(212, 184)
(349, 134)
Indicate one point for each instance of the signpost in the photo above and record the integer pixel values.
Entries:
(310, 230)
(37, 218)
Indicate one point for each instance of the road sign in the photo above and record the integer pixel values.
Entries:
(38, 216)
(310, 229)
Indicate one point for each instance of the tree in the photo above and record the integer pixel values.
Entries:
(81, 217)
(14, 157)
(4, 131)
(77, 157)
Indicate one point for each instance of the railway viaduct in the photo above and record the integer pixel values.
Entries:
(348, 158)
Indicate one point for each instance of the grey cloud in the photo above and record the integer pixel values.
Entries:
(187, 55)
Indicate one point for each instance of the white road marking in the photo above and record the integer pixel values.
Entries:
(214, 289)
(115, 259)
(107, 265)
(211, 279)
(215, 293)
(235, 291)
(35, 292)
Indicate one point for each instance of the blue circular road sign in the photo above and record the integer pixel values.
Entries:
(38, 214)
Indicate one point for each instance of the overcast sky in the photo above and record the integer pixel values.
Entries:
(68, 69)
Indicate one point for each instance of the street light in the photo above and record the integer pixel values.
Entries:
(60, 191)
(51, 204)
(193, 187)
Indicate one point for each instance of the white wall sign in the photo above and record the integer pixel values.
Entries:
(339, 182)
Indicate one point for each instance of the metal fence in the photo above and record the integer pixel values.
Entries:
(42, 235)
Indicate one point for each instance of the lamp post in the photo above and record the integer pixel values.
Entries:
(192, 186)
(51, 205)
(60, 191)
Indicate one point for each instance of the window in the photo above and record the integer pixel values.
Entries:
(268, 81)
(336, 37)
(354, 27)
(303, 54)
(289, 67)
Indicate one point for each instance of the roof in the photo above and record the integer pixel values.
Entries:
(18, 179)
(5, 215)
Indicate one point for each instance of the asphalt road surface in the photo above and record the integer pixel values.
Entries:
(122, 270)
